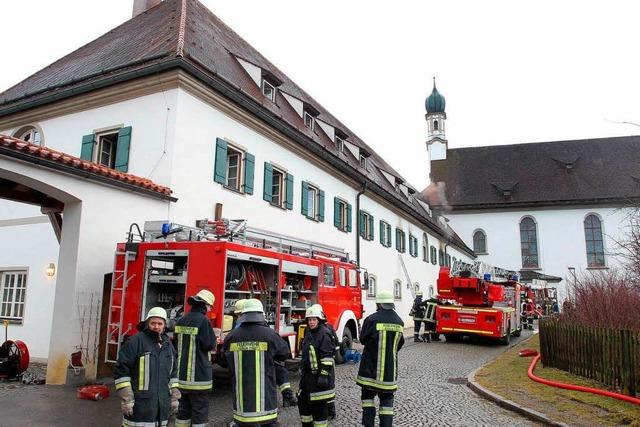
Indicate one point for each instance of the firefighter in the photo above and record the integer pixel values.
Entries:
(418, 311)
(237, 312)
(331, 404)
(195, 339)
(145, 374)
(316, 371)
(250, 352)
(430, 319)
(382, 337)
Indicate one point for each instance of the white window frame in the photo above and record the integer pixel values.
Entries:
(268, 86)
(313, 201)
(342, 276)
(397, 289)
(12, 302)
(371, 290)
(343, 214)
(363, 162)
(309, 121)
(282, 183)
(353, 278)
(368, 230)
(97, 153)
(339, 143)
(386, 236)
(235, 151)
(30, 134)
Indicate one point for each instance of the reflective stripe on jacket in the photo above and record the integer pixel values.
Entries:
(194, 339)
(250, 352)
(418, 309)
(382, 336)
(150, 371)
(317, 361)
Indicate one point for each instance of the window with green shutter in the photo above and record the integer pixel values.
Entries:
(86, 151)
(123, 144)
(401, 241)
(288, 200)
(413, 246)
(433, 255)
(233, 167)
(365, 226)
(278, 187)
(312, 202)
(385, 234)
(220, 162)
(341, 214)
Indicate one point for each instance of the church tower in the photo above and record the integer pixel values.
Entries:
(436, 117)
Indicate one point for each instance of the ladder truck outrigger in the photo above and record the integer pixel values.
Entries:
(168, 263)
(487, 306)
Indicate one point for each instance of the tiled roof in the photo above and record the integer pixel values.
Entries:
(588, 171)
(207, 48)
(35, 153)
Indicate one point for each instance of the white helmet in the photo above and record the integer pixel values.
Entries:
(314, 311)
(157, 312)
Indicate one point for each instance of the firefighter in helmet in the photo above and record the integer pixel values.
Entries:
(418, 311)
(195, 339)
(430, 322)
(382, 337)
(145, 374)
(317, 378)
(249, 352)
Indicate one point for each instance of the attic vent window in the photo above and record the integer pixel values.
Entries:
(268, 90)
(309, 121)
(339, 143)
(363, 162)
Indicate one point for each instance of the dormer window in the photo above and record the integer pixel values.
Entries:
(339, 144)
(309, 121)
(363, 162)
(269, 90)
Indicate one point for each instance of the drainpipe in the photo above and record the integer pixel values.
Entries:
(360, 193)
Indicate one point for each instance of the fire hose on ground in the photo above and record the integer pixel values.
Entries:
(534, 377)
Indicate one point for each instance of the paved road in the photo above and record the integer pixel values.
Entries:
(432, 392)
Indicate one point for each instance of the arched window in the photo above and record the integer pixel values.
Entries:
(30, 134)
(435, 125)
(371, 290)
(431, 292)
(397, 289)
(425, 246)
(529, 243)
(593, 238)
(479, 242)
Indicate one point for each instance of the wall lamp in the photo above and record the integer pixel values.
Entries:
(50, 271)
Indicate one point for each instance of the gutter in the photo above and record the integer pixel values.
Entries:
(83, 174)
(360, 193)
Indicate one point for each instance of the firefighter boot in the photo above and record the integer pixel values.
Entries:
(416, 338)
(288, 398)
(426, 337)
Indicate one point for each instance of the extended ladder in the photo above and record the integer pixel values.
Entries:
(406, 274)
(119, 282)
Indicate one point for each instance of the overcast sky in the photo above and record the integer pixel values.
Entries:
(510, 72)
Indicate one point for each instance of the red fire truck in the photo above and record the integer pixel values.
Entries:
(482, 307)
(233, 261)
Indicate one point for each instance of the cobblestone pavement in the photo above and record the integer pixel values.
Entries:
(432, 392)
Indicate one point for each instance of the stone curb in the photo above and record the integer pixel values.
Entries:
(508, 404)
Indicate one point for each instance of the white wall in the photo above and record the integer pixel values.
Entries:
(30, 247)
(561, 238)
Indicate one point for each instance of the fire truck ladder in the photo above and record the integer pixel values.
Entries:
(406, 274)
(119, 282)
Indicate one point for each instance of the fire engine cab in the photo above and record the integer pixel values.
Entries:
(485, 307)
(233, 261)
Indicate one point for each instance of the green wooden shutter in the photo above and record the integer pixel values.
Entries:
(348, 217)
(220, 162)
(288, 201)
(382, 242)
(361, 226)
(268, 181)
(397, 239)
(86, 150)
(305, 199)
(321, 206)
(336, 212)
(249, 170)
(371, 236)
(122, 149)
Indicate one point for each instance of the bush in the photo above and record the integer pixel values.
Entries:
(608, 299)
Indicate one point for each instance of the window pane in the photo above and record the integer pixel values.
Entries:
(311, 202)
(353, 278)
(594, 241)
(276, 188)
(528, 243)
(328, 275)
(343, 276)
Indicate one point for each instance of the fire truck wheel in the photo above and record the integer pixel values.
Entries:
(453, 337)
(517, 332)
(507, 338)
(346, 344)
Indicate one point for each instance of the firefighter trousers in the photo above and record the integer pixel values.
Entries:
(193, 409)
(369, 408)
(312, 414)
(282, 377)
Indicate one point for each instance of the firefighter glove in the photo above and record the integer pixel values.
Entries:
(175, 398)
(126, 401)
(323, 382)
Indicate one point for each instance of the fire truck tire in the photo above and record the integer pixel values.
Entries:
(453, 337)
(346, 344)
(517, 332)
(507, 338)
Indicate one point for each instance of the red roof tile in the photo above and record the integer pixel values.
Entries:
(39, 152)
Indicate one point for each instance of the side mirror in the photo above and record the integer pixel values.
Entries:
(365, 284)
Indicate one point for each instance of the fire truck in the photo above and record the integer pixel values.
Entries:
(476, 306)
(233, 261)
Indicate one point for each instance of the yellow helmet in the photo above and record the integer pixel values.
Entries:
(204, 296)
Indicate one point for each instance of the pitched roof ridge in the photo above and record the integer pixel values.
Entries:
(181, 28)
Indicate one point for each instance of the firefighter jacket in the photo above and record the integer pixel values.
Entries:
(249, 352)
(334, 338)
(418, 309)
(430, 314)
(382, 337)
(194, 339)
(150, 370)
(317, 362)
